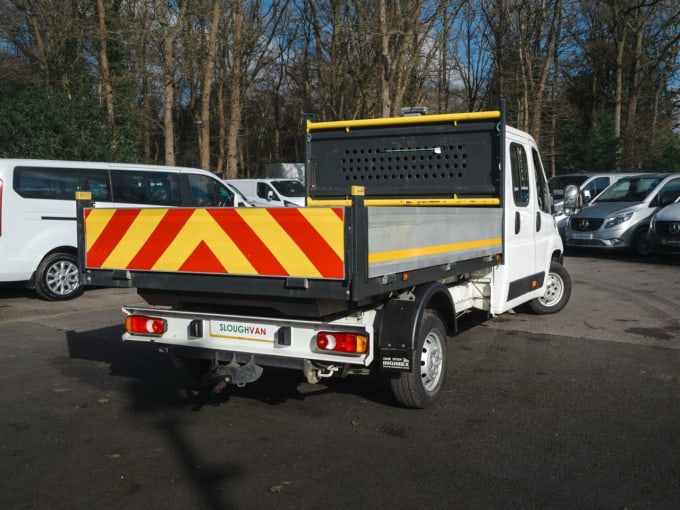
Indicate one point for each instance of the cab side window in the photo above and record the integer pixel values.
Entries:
(542, 192)
(520, 174)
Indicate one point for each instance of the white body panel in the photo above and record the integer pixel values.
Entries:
(34, 224)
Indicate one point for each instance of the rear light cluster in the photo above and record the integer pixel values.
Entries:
(143, 325)
(349, 343)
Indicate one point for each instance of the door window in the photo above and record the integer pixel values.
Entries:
(542, 192)
(520, 174)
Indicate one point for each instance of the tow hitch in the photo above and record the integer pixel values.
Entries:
(232, 373)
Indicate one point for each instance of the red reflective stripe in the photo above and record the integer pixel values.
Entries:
(252, 247)
(202, 260)
(309, 240)
(110, 236)
(165, 232)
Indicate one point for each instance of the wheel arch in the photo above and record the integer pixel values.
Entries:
(401, 318)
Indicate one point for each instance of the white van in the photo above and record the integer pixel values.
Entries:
(272, 192)
(38, 211)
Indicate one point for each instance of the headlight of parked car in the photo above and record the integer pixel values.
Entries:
(618, 219)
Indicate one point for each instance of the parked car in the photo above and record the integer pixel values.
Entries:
(619, 217)
(38, 211)
(664, 230)
(589, 184)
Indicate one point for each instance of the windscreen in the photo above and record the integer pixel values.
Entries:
(290, 188)
(631, 189)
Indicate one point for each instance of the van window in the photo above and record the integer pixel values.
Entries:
(61, 183)
(263, 189)
(520, 174)
(146, 188)
(209, 192)
(290, 188)
(596, 186)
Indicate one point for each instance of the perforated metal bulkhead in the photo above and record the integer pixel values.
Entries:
(428, 160)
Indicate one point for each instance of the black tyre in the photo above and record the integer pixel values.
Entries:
(423, 386)
(57, 278)
(557, 291)
(641, 244)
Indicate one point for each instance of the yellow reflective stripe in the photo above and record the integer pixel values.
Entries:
(329, 225)
(408, 253)
(95, 223)
(135, 237)
(202, 227)
(289, 255)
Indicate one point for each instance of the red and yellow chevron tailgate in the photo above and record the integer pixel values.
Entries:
(297, 242)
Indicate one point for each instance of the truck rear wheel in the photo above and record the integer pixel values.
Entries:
(422, 386)
(57, 277)
(557, 291)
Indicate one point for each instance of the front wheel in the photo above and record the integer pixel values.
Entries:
(423, 385)
(557, 291)
(641, 244)
(57, 278)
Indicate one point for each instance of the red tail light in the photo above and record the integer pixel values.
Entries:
(143, 325)
(350, 343)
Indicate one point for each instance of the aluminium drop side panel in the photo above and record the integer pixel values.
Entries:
(411, 238)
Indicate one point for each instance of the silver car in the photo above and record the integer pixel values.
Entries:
(619, 217)
(589, 184)
(664, 230)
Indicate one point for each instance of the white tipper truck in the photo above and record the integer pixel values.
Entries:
(410, 222)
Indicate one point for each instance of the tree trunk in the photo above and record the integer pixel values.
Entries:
(169, 85)
(234, 122)
(208, 68)
(105, 70)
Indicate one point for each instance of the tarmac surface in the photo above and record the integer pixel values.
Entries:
(575, 410)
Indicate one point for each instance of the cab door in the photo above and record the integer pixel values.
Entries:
(528, 226)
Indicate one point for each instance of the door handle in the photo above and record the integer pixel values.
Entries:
(538, 222)
(517, 222)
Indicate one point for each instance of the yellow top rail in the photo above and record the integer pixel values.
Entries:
(391, 202)
(454, 118)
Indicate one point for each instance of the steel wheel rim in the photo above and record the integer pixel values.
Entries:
(62, 278)
(554, 289)
(431, 361)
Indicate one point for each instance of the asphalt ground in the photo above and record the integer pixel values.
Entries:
(576, 410)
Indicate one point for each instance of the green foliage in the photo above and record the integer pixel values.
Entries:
(42, 124)
(666, 156)
(587, 149)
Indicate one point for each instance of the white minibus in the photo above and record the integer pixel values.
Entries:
(38, 211)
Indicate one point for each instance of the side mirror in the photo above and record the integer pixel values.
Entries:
(571, 200)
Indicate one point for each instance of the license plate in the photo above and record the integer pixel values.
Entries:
(236, 330)
(670, 242)
(577, 235)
